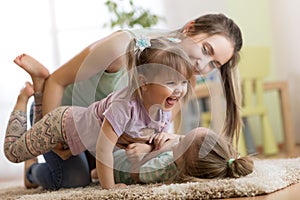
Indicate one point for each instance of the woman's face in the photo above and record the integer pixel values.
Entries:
(208, 53)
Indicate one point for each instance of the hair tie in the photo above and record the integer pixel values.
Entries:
(142, 43)
(229, 162)
(175, 40)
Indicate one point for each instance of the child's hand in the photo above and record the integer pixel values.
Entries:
(119, 186)
(136, 151)
(160, 138)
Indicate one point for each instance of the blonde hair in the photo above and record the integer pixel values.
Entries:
(162, 56)
(211, 156)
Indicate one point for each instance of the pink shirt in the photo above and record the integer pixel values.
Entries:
(128, 117)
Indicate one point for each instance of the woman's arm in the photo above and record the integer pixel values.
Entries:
(104, 156)
(105, 54)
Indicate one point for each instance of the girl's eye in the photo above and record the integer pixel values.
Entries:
(170, 83)
(184, 82)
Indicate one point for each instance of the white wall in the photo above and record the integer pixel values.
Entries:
(51, 31)
(286, 38)
(21, 32)
(178, 12)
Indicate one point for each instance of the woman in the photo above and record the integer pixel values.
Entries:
(211, 41)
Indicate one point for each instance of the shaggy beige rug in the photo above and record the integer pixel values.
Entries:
(268, 176)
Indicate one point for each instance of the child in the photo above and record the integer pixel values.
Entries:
(159, 75)
(200, 154)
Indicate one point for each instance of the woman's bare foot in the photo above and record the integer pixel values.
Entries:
(26, 92)
(35, 69)
(27, 165)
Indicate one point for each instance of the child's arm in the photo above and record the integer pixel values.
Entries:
(136, 151)
(167, 146)
(159, 139)
(104, 156)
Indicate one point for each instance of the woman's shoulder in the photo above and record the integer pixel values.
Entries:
(123, 34)
(117, 41)
(114, 41)
(137, 33)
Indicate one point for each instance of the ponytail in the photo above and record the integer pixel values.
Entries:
(240, 167)
(133, 81)
(212, 156)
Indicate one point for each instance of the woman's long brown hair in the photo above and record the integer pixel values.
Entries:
(212, 24)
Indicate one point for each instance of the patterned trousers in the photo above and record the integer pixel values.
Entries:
(22, 144)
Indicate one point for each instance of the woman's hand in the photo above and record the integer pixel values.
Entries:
(160, 138)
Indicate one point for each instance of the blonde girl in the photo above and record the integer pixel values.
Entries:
(159, 77)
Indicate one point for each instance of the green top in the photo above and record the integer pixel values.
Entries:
(97, 87)
(158, 169)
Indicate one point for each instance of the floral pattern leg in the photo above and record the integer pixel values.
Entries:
(21, 145)
(37, 109)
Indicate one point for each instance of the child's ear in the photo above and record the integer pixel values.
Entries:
(142, 83)
(142, 80)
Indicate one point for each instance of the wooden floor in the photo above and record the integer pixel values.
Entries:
(289, 193)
